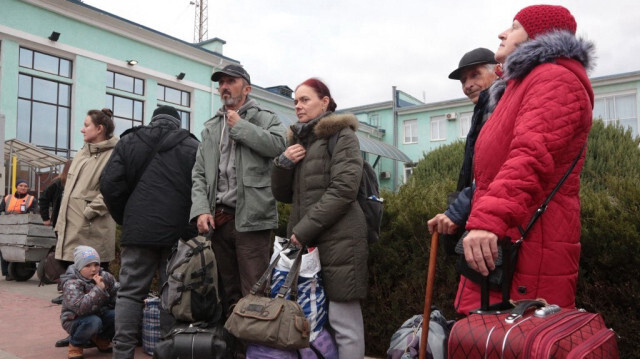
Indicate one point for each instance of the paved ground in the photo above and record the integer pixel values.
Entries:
(30, 323)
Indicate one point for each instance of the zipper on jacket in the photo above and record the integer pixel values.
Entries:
(596, 341)
(542, 342)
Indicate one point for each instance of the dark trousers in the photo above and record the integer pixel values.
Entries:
(138, 266)
(241, 257)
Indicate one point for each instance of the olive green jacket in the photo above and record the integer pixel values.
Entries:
(259, 137)
(325, 213)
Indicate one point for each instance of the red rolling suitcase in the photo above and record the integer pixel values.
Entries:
(546, 332)
(531, 329)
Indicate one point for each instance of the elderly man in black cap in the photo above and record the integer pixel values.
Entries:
(232, 185)
(476, 72)
(147, 185)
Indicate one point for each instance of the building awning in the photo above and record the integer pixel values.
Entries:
(367, 144)
(30, 154)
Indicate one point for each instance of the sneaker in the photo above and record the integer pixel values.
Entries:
(57, 300)
(75, 352)
(103, 345)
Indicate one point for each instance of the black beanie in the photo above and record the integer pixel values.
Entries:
(167, 110)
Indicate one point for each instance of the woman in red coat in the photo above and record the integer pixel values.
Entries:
(537, 129)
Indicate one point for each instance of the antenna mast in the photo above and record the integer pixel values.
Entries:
(201, 22)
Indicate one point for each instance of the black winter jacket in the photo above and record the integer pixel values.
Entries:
(151, 204)
(51, 197)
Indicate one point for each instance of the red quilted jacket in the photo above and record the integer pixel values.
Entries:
(537, 129)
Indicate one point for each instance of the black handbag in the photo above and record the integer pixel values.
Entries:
(504, 269)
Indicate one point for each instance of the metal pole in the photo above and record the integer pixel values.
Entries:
(395, 136)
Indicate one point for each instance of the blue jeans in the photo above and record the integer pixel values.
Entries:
(85, 327)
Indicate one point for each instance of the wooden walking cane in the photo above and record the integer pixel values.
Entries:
(431, 277)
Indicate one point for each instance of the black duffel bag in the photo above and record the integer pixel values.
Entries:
(195, 340)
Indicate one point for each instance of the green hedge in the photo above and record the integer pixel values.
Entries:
(608, 281)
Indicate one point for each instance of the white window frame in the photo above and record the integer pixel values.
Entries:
(440, 133)
(616, 120)
(410, 129)
(374, 119)
(408, 171)
(465, 123)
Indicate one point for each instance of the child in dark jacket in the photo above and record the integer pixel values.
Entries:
(88, 301)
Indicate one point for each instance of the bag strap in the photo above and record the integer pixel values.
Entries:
(543, 206)
(331, 143)
(291, 282)
(266, 276)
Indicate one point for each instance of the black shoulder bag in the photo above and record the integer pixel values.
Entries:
(507, 249)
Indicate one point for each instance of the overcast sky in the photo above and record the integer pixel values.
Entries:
(361, 48)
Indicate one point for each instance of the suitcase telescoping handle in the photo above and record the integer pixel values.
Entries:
(508, 270)
(431, 277)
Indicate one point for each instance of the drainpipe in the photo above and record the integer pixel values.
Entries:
(395, 136)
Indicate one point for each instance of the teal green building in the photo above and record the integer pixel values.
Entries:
(61, 58)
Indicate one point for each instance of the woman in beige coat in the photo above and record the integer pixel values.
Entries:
(84, 218)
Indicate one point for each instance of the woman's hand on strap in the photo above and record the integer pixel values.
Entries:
(481, 250)
(295, 153)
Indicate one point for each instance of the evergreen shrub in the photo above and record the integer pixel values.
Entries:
(608, 282)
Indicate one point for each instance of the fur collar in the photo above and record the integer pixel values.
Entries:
(544, 49)
(331, 124)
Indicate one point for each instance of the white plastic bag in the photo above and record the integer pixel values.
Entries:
(310, 265)
(311, 295)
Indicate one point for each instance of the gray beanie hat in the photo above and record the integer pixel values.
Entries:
(84, 255)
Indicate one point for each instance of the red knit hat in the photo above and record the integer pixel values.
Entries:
(539, 19)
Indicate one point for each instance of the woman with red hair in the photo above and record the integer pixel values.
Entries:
(322, 188)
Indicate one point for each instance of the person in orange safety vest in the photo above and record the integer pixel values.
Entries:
(19, 202)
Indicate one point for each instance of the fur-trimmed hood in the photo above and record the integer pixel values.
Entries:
(544, 49)
(329, 125)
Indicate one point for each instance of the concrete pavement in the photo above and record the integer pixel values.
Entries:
(30, 323)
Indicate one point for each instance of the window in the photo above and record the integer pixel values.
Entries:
(125, 83)
(46, 63)
(127, 112)
(177, 97)
(465, 123)
(408, 170)
(374, 120)
(44, 113)
(618, 109)
(410, 131)
(438, 128)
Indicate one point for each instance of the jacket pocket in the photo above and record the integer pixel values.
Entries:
(257, 181)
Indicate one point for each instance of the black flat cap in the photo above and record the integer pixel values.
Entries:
(233, 71)
(474, 57)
